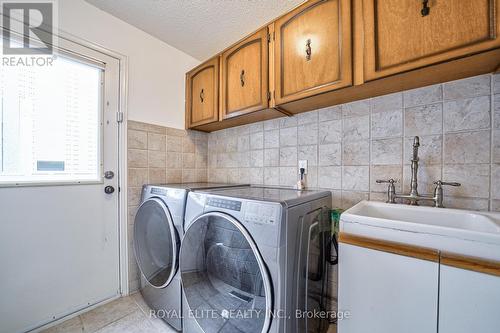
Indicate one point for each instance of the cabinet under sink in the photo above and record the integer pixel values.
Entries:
(418, 269)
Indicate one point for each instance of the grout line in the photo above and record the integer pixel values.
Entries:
(492, 111)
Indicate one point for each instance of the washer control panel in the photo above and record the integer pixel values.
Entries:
(224, 203)
(260, 213)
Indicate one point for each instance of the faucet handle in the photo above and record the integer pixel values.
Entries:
(440, 183)
(383, 181)
(391, 190)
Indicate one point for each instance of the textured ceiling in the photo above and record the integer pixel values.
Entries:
(200, 28)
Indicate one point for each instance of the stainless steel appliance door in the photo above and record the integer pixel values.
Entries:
(224, 279)
(156, 243)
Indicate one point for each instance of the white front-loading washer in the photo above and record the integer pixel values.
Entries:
(250, 260)
(158, 230)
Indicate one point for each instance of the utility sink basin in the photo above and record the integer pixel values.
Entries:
(460, 231)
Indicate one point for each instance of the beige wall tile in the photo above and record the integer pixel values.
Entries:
(349, 198)
(288, 156)
(467, 114)
(387, 102)
(358, 108)
(329, 132)
(475, 180)
(288, 176)
(387, 124)
(271, 176)
(135, 125)
(424, 120)
(188, 144)
(257, 158)
(137, 158)
(244, 175)
(330, 113)
(134, 196)
(244, 159)
(188, 161)
(330, 177)
(356, 128)
(244, 143)
(422, 96)
(387, 151)
(496, 111)
(307, 134)
(311, 178)
(288, 122)
(330, 154)
(271, 124)
(271, 157)
(188, 175)
(288, 137)
(495, 205)
(496, 84)
(307, 117)
(137, 139)
(356, 153)
(201, 161)
(272, 138)
(426, 176)
(156, 141)
(257, 176)
(355, 178)
(468, 147)
(496, 146)
(157, 175)
(174, 160)
(465, 203)
(176, 132)
(201, 175)
(157, 159)
(470, 87)
(257, 140)
(174, 175)
(137, 177)
(174, 144)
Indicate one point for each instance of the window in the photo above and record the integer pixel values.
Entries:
(50, 122)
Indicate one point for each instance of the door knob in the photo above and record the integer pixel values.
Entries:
(109, 189)
(109, 174)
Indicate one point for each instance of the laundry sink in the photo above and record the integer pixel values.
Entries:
(454, 230)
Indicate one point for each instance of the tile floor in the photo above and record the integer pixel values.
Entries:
(125, 315)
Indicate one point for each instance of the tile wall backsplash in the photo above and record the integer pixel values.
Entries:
(349, 146)
(159, 154)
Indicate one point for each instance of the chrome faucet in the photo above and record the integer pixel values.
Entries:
(414, 197)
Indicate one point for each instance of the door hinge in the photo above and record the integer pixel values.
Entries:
(119, 117)
(268, 95)
(269, 38)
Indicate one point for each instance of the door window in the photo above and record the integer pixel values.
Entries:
(51, 122)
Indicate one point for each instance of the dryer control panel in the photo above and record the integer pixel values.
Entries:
(261, 213)
(224, 203)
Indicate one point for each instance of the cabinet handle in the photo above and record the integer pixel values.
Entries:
(242, 77)
(308, 50)
(425, 9)
(202, 95)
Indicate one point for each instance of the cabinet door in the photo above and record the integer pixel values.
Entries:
(202, 88)
(468, 301)
(386, 293)
(245, 83)
(313, 50)
(398, 37)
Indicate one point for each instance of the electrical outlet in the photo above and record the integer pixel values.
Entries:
(303, 164)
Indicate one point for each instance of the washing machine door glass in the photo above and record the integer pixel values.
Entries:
(156, 242)
(225, 282)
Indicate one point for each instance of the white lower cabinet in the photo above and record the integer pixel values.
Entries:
(468, 301)
(387, 293)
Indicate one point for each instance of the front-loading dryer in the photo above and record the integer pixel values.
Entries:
(251, 261)
(158, 230)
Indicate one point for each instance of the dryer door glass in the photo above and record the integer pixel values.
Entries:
(225, 282)
(156, 243)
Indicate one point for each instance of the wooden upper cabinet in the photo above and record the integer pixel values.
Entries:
(244, 82)
(401, 35)
(312, 50)
(202, 94)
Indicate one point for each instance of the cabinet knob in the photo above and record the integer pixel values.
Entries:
(425, 8)
(308, 49)
(242, 77)
(202, 95)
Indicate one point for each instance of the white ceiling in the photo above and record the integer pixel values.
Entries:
(200, 28)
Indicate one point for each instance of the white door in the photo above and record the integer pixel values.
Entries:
(59, 245)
